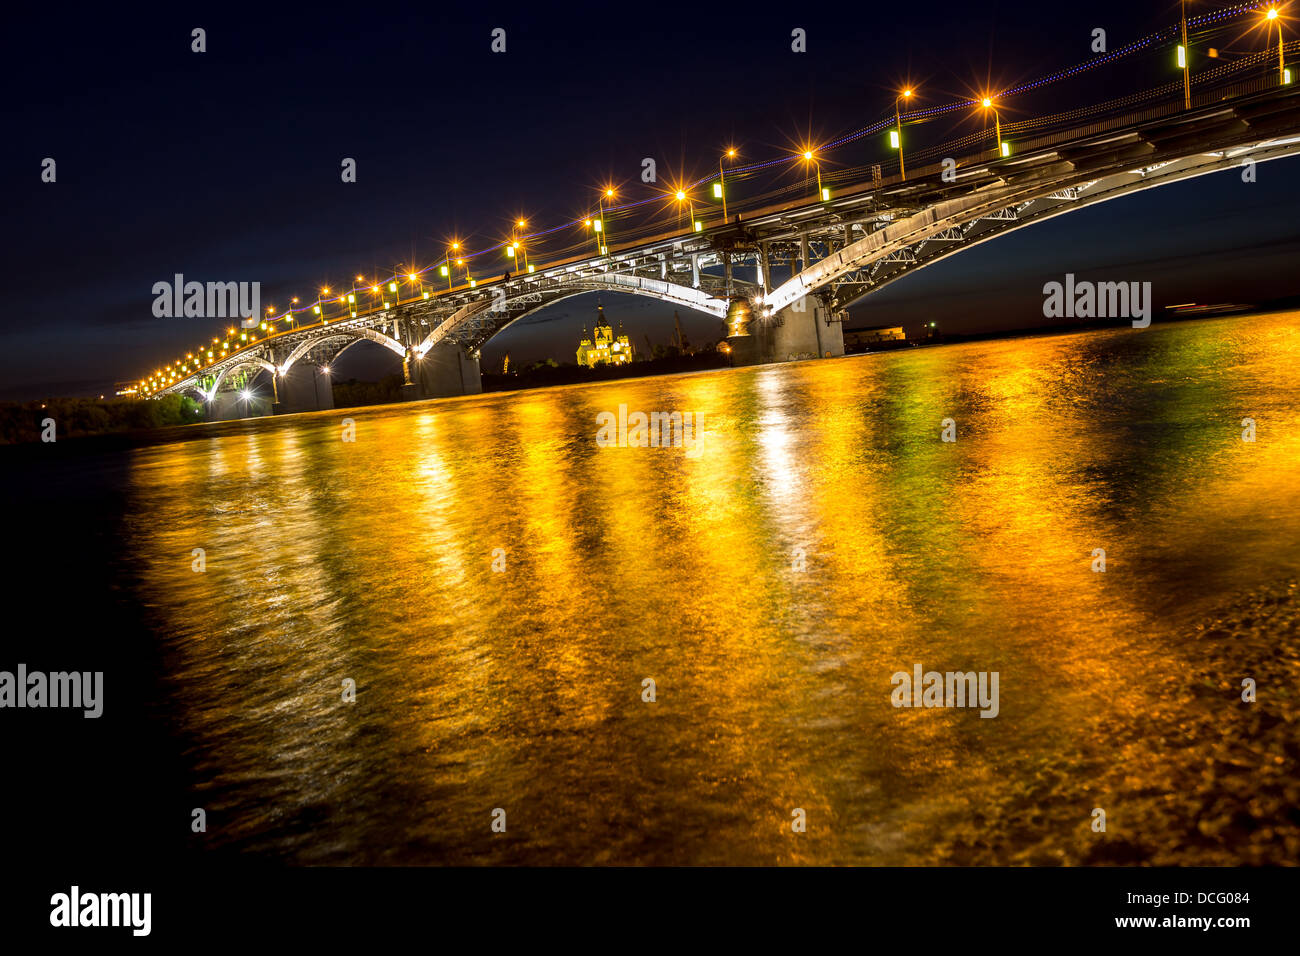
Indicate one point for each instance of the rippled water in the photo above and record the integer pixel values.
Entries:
(373, 560)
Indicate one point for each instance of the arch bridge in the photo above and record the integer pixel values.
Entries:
(825, 254)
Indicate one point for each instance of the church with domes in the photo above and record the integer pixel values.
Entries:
(604, 348)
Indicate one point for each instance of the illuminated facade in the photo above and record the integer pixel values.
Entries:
(604, 348)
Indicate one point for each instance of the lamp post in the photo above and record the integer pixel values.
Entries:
(722, 185)
(683, 197)
(897, 134)
(1003, 149)
(822, 193)
(1272, 16)
(1183, 59)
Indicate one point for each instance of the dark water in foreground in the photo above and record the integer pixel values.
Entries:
(522, 690)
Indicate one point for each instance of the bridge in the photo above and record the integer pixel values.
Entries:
(780, 266)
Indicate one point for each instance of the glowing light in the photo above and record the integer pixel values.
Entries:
(1272, 14)
(807, 154)
(987, 102)
(680, 195)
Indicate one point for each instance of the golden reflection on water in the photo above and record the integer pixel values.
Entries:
(521, 689)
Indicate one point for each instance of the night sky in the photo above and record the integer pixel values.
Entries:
(225, 165)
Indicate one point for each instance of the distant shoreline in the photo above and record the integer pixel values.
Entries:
(166, 434)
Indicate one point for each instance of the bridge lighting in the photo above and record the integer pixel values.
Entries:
(510, 251)
(1004, 149)
(609, 194)
(316, 309)
(680, 195)
(1283, 74)
(245, 395)
(598, 224)
(444, 271)
(412, 276)
(1182, 57)
(392, 287)
(351, 297)
(531, 268)
(325, 369)
(699, 226)
(896, 134)
(825, 194)
(719, 188)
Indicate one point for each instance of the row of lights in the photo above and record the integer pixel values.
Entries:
(516, 249)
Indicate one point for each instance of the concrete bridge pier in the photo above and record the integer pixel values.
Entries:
(305, 388)
(444, 371)
(793, 333)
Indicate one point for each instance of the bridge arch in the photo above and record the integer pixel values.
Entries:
(1009, 206)
(537, 298)
(251, 360)
(355, 334)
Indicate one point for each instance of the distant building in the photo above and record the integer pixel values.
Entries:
(603, 348)
(856, 340)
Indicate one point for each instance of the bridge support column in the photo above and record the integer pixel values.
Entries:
(788, 336)
(305, 388)
(444, 371)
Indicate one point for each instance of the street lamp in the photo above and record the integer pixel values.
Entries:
(896, 134)
(1003, 149)
(683, 197)
(721, 191)
(824, 193)
(602, 234)
(1283, 74)
(1183, 59)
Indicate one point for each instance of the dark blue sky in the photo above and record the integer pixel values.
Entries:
(225, 165)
